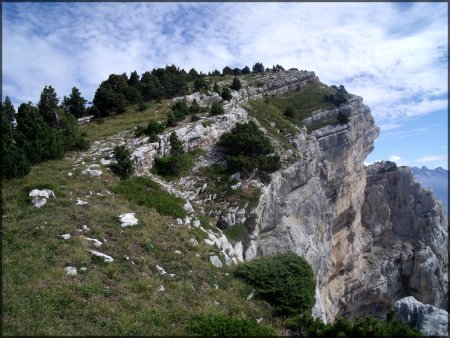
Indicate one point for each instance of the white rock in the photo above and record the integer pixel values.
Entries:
(45, 193)
(91, 172)
(65, 236)
(196, 223)
(178, 252)
(128, 219)
(197, 254)
(83, 268)
(259, 320)
(161, 289)
(208, 241)
(160, 270)
(216, 286)
(39, 197)
(106, 258)
(188, 207)
(179, 221)
(193, 242)
(236, 186)
(105, 161)
(429, 319)
(69, 174)
(80, 202)
(187, 220)
(71, 271)
(85, 227)
(215, 261)
(171, 274)
(94, 241)
(216, 302)
(250, 296)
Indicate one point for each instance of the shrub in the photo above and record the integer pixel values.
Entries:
(248, 149)
(236, 85)
(289, 111)
(142, 107)
(286, 281)
(217, 108)
(342, 118)
(306, 326)
(216, 88)
(124, 166)
(226, 94)
(222, 325)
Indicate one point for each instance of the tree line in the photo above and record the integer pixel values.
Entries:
(38, 133)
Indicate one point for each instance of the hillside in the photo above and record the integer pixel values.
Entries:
(303, 190)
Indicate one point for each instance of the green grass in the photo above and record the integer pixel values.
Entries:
(126, 121)
(119, 298)
(143, 191)
(236, 232)
(270, 110)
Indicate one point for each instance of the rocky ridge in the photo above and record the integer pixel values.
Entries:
(321, 206)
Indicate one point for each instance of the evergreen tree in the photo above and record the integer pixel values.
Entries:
(8, 111)
(217, 108)
(134, 81)
(258, 68)
(227, 71)
(236, 71)
(39, 141)
(200, 84)
(176, 147)
(124, 166)
(151, 87)
(245, 70)
(48, 104)
(14, 162)
(236, 85)
(75, 104)
(226, 94)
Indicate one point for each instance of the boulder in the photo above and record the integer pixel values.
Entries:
(39, 197)
(215, 261)
(71, 271)
(429, 319)
(91, 172)
(128, 219)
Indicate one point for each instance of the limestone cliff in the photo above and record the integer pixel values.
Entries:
(372, 235)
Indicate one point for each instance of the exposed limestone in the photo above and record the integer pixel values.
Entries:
(71, 271)
(215, 261)
(39, 197)
(91, 172)
(128, 219)
(106, 258)
(428, 319)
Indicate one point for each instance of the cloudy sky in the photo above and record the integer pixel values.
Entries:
(394, 55)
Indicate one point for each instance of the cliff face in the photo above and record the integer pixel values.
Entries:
(371, 235)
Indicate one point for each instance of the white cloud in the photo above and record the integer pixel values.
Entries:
(396, 61)
(432, 158)
(394, 158)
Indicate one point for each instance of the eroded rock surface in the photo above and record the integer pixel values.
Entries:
(431, 320)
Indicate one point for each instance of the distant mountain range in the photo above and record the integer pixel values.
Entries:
(436, 180)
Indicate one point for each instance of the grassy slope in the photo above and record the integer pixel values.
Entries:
(119, 298)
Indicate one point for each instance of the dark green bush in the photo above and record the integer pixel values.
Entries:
(286, 281)
(236, 84)
(222, 325)
(226, 94)
(306, 326)
(124, 166)
(142, 106)
(342, 118)
(216, 88)
(289, 111)
(217, 108)
(248, 149)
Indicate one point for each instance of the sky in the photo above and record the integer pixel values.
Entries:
(394, 55)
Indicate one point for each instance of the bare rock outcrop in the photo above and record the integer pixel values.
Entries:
(431, 320)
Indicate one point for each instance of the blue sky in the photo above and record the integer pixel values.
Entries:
(394, 55)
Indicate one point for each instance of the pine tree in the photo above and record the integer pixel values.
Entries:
(48, 104)
(216, 88)
(75, 104)
(236, 85)
(14, 162)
